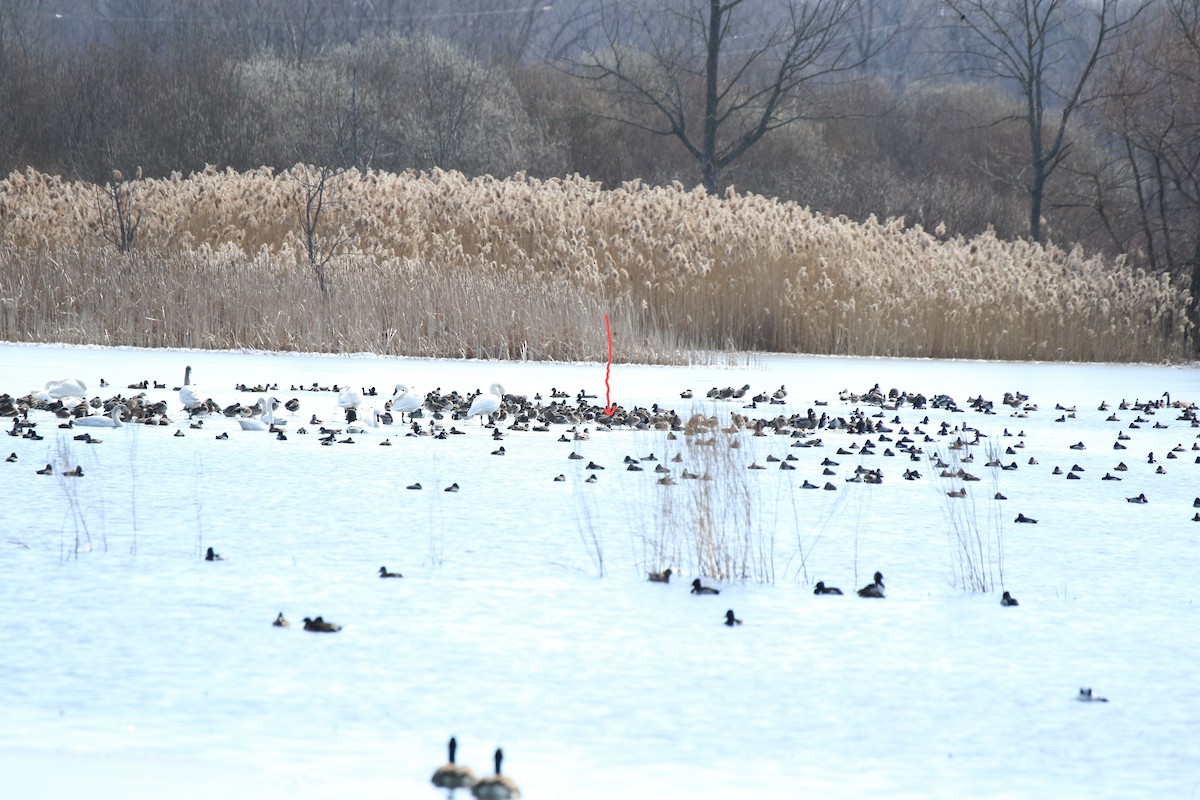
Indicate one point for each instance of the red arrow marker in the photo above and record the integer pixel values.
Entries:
(609, 408)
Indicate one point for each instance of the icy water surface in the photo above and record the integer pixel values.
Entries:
(135, 669)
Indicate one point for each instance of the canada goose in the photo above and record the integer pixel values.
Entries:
(280, 622)
(823, 589)
(212, 556)
(1086, 696)
(451, 775)
(319, 625)
(383, 573)
(730, 619)
(698, 589)
(660, 577)
(1008, 600)
(874, 589)
(496, 787)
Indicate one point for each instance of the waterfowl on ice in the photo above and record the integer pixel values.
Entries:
(452, 775)
(319, 625)
(496, 787)
(873, 589)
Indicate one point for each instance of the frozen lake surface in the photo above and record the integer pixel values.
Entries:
(135, 669)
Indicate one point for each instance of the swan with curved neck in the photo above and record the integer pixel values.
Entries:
(265, 416)
(404, 402)
(487, 403)
(111, 420)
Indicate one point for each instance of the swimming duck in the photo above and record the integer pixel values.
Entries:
(660, 577)
(319, 625)
(874, 589)
(496, 787)
(730, 619)
(1023, 518)
(74, 473)
(383, 573)
(1086, 696)
(280, 622)
(212, 556)
(451, 775)
(47, 470)
(1140, 499)
(698, 589)
(1008, 600)
(823, 589)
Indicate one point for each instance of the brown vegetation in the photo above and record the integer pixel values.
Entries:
(439, 264)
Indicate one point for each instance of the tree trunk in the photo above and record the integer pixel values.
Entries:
(711, 73)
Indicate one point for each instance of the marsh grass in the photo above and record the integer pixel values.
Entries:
(437, 264)
(716, 525)
(975, 528)
(77, 513)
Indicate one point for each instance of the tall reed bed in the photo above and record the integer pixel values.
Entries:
(723, 524)
(440, 264)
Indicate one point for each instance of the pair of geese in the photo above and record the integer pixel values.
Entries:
(452, 775)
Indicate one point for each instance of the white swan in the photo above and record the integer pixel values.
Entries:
(349, 398)
(403, 402)
(265, 416)
(487, 403)
(112, 420)
(190, 396)
(68, 387)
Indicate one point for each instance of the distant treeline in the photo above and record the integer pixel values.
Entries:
(915, 131)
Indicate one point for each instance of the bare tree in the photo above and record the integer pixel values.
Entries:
(311, 185)
(716, 75)
(118, 213)
(1048, 51)
(1152, 204)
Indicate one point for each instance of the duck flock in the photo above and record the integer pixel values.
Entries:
(872, 437)
(866, 428)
